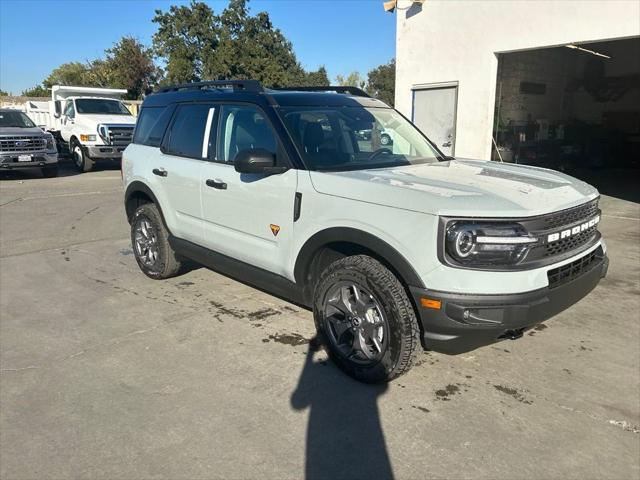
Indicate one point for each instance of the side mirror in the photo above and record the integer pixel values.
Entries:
(257, 160)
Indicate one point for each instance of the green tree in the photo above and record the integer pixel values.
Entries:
(251, 47)
(128, 64)
(73, 73)
(37, 91)
(3, 93)
(186, 35)
(382, 82)
(354, 79)
(315, 78)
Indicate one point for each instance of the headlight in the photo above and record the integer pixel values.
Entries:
(478, 244)
(51, 144)
(87, 138)
(104, 134)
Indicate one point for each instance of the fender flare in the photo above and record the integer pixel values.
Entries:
(135, 187)
(358, 237)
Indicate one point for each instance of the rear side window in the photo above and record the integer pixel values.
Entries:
(187, 131)
(151, 125)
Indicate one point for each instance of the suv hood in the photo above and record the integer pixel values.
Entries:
(21, 131)
(472, 188)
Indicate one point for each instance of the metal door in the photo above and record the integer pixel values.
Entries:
(434, 112)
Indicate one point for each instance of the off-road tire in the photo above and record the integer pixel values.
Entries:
(168, 263)
(403, 343)
(82, 162)
(50, 172)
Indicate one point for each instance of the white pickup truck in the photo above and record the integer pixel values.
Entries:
(91, 122)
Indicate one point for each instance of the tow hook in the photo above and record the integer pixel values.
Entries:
(513, 334)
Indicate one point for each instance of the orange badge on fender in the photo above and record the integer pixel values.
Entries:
(275, 229)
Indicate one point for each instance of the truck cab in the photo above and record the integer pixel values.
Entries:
(92, 123)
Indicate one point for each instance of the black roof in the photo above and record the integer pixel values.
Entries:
(251, 91)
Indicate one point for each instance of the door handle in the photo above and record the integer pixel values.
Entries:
(161, 172)
(220, 185)
(447, 144)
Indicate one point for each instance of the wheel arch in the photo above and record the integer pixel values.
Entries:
(331, 244)
(136, 194)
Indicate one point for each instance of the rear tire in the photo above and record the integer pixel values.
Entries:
(150, 243)
(50, 172)
(82, 162)
(364, 316)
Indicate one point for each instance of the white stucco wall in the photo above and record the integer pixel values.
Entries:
(453, 40)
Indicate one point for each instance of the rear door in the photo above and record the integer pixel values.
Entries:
(248, 217)
(434, 113)
(176, 169)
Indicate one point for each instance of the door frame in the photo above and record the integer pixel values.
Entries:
(416, 87)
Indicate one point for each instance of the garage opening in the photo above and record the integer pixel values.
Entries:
(574, 108)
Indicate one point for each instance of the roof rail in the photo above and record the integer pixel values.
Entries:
(235, 85)
(355, 91)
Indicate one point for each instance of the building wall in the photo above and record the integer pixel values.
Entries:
(457, 40)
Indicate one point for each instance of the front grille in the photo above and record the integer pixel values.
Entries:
(120, 136)
(573, 270)
(22, 143)
(571, 215)
(567, 244)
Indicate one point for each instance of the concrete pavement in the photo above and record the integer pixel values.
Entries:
(105, 373)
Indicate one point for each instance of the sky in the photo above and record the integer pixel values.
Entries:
(38, 35)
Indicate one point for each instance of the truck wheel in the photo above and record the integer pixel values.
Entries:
(50, 172)
(83, 163)
(385, 139)
(150, 242)
(364, 316)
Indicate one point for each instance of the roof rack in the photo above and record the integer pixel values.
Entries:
(355, 91)
(235, 85)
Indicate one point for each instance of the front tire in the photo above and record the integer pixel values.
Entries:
(82, 162)
(364, 316)
(150, 243)
(385, 139)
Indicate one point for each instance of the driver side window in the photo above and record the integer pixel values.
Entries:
(69, 111)
(243, 127)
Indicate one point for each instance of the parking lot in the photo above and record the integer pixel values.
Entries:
(108, 374)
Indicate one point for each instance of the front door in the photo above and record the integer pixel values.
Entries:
(67, 120)
(434, 112)
(248, 217)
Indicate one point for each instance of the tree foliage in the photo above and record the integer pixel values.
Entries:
(382, 82)
(197, 44)
(3, 93)
(37, 91)
(72, 73)
(186, 36)
(128, 64)
(354, 79)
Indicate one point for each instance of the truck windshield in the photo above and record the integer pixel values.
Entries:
(355, 138)
(15, 119)
(101, 106)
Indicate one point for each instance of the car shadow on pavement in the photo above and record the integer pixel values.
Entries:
(344, 435)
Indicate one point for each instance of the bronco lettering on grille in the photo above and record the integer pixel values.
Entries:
(569, 232)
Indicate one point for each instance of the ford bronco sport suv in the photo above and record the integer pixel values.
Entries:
(392, 246)
(23, 145)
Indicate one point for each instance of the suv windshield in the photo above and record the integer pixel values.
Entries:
(100, 106)
(15, 119)
(354, 138)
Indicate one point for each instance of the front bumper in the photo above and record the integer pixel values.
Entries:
(466, 322)
(104, 151)
(38, 160)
